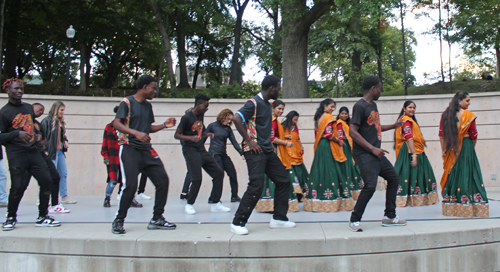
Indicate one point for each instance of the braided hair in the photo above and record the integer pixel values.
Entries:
(11, 81)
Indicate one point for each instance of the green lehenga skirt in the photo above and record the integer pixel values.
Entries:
(300, 181)
(266, 201)
(464, 194)
(417, 185)
(328, 189)
(351, 172)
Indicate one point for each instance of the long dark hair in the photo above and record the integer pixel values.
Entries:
(287, 123)
(405, 105)
(321, 108)
(277, 103)
(448, 122)
(348, 120)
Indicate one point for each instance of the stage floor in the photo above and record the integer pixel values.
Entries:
(89, 209)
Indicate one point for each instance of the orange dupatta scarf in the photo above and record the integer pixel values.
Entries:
(282, 151)
(418, 139)
(296, 154)
(337, 152)
(451, 158)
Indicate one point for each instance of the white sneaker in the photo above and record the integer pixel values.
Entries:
(189, 209)
(218, 207)
(67, 200)
(143, 196)
(280, 224)
(239, 229)
(58, 209)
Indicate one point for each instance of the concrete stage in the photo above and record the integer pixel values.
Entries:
(203, 242)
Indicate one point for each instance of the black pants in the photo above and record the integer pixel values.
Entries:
(134, 161)
(371, 167)
(142, 183)
(227, 165)
(187, 183)
(258, 165)
(54, 191)
(195, 160)
(33, 163)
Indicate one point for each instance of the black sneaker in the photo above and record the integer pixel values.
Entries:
(184, 196)
(47, 221)
(117, 226)
(9, 224)
(235, 199)
(161, 224)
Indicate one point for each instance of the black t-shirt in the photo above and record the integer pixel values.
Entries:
(366, 116)
(192, 125)
(13, 119)
(141, 118)
(263, 120)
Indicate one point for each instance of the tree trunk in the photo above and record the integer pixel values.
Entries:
(83, 61)
(198, 63)
(166, 43)
(294, 46)
(88, 66)
(2, 8)
(404, 48)
(379, 54)
(440, 42)
(235, 77)
(356, 56)
(497, 53)
(296, 21)
(181, 55)
(338, 66)
(276, 46)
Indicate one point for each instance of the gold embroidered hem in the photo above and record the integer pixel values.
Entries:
(267, 205)
(417, 200)
(355, 194)
(297, 189)
(466, 210)
(332, 206)
(293, 205)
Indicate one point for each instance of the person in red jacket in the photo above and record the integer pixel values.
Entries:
(110, 153)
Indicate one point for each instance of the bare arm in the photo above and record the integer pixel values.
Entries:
(398, 124)
(353, 132)
(282, 142)
(170, 122)
(411, 146)
(179, 136)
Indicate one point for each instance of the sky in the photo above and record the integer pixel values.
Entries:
(427, 48)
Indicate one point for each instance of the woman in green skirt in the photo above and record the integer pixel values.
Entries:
(328, 188)
(462, 184)
(351, 170)
(417, 183)
(281, 141)
(296, 153)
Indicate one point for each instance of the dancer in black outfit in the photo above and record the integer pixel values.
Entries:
(134, 120)
(366, 132)
(222, 132)
(254, 122)
(191, 130)
(17, 134)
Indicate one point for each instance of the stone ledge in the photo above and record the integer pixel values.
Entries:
(216, 241)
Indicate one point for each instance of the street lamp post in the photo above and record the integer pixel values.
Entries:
(70, 33)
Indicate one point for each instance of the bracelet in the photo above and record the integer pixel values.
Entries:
(164, 125)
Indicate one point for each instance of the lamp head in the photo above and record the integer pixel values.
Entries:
(70, 32)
